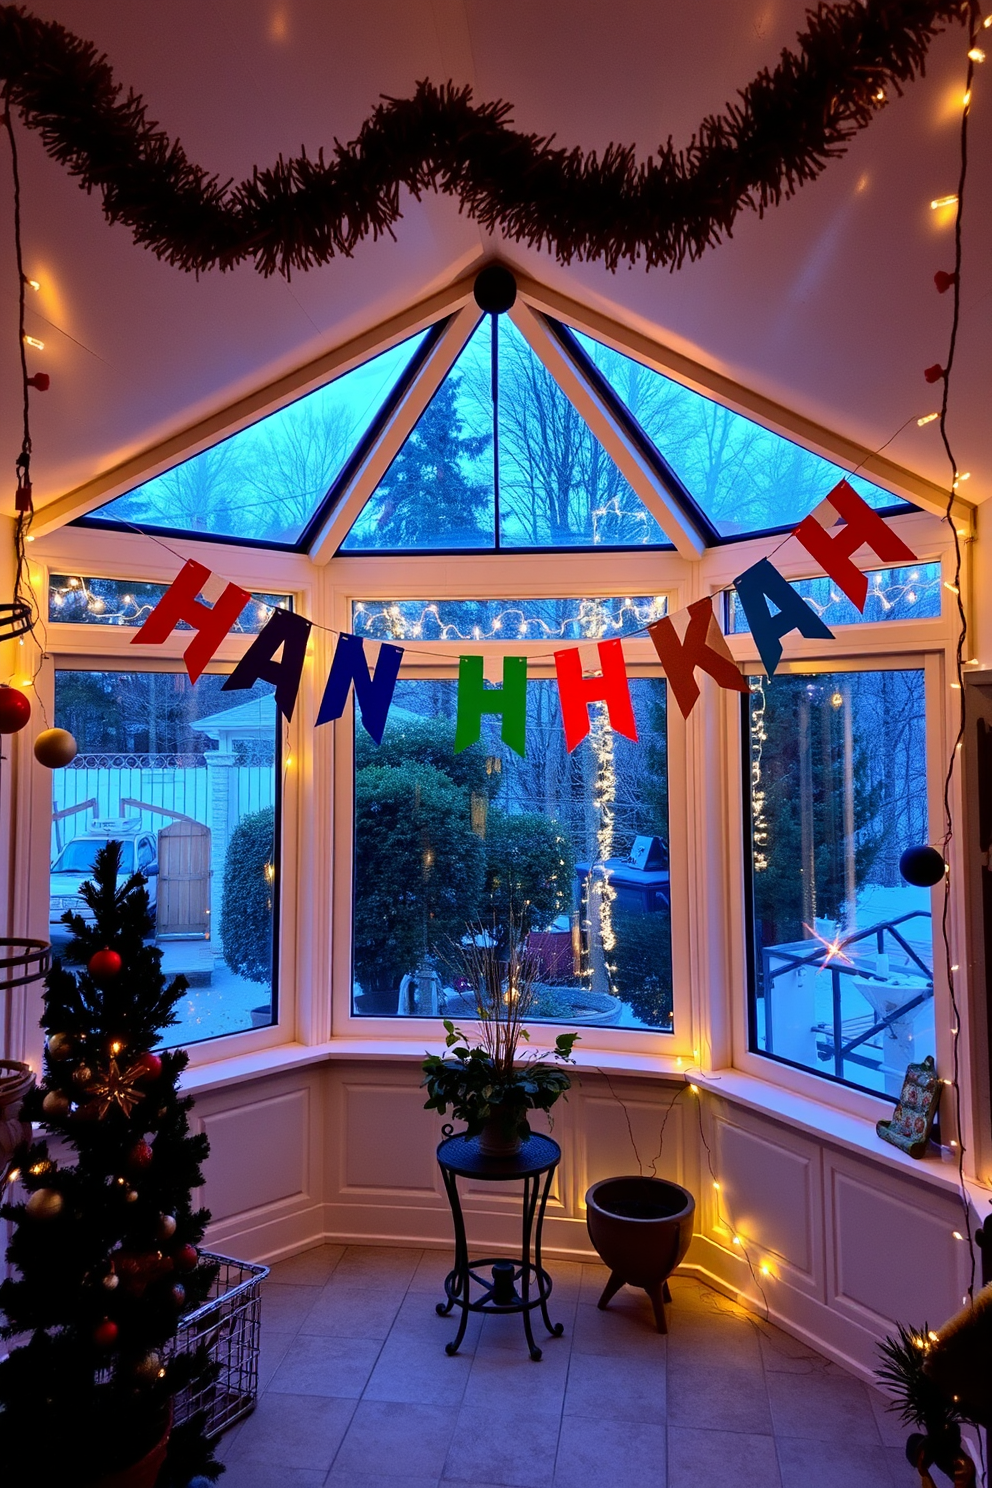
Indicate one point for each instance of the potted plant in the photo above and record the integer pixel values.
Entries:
(486, 1084)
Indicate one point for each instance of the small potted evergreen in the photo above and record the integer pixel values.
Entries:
(486, 1084)
(103, 1255)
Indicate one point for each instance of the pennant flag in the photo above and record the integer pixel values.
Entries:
(689, 639)
(508, 701)
(373, 691)
(763, 582)
(211, 622)
(258, 664)
(577, 692)
(862, 525)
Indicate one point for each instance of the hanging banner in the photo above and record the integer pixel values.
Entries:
(862, 526)
(291, 632)
(373, 691)
(577, 692)
(689, 639)
(508, 702)
(761, 583)
(210, 622)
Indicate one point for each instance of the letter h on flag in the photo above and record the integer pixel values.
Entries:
(577, 692)
(862, 525)
(210, 622)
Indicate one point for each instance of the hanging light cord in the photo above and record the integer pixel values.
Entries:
(959, 657)
(25, 507)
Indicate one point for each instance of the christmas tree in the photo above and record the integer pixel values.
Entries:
(103, 1253)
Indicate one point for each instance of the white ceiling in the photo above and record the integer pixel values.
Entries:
(827, 305)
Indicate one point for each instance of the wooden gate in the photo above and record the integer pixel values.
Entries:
(183, 911)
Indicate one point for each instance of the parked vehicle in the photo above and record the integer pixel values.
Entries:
(74, 864)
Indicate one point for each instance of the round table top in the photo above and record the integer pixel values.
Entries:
(461, 1155)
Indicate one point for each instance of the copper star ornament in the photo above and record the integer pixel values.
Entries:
(116, 1086)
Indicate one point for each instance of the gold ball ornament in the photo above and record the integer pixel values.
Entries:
(82, 1076)
(44, 1203)
(167, 1227)
(60, 1045)
(55, 748)
(148, 1367)
(56, 1104)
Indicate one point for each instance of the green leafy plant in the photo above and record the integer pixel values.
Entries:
(919, 1401)
(485, 1080)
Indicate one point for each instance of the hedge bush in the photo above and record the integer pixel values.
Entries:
(246, 915)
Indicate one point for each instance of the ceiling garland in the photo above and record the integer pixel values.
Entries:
(780, 133)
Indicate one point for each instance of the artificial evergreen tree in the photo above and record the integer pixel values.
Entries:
(104, 1248)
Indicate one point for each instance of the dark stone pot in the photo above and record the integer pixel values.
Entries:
(642, 1228)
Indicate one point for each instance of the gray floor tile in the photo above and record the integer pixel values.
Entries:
(284, 1307)
(890, 1428)
(510, 1448)
(392, 1439)
(626, 1325)
(263, 1475)
(832, 1463)
(620, 1389)
(315, 1364)
(718, 1398)
(352, 1312)
(377, 1265)
(705, 1338)
(418, 1371)
(293, 1431)
(430, 1273)
(349, 1479)
(503, 1380)
(310, 1268)
(716, 1459)
(591, 1453)
(821, 1408)
(272, 1351)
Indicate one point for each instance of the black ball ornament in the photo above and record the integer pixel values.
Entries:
(922, 866)
(495, 289)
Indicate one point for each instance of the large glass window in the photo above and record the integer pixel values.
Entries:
(267, 482)
(841, 945)
(523, 471)
(185, 778)
(579, 843)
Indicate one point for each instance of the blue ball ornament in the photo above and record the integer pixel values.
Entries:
(922, 866)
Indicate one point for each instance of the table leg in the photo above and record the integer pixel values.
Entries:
(461, 1270)
(555, 1329)
(531, 1188)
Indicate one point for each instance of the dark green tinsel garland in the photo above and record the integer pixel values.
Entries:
(780, 133)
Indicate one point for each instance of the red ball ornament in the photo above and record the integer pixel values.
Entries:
(104, 965)
(186, 1258)
(150, 1067)
(140, 1157)
(15, 710)
(105, 1334)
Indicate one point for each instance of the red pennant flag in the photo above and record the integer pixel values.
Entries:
(577, 692)
(862, 525)
(701, 645)
(211, 622)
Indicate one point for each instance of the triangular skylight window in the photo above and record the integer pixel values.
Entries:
(553, 485)
(745, 478)
(266, 483)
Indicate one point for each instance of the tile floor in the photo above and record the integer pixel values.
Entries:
(357, 1391)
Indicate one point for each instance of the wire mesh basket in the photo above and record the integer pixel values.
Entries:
(228, 1324)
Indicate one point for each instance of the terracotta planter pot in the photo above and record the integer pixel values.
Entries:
(642, 1228)
(142, 1474)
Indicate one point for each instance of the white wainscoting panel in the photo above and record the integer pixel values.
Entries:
(346, 1152)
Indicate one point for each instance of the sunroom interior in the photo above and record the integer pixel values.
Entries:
(704, 878)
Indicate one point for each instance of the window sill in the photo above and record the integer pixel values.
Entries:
(814, 1118)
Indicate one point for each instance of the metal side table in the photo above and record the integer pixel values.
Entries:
(514, 1285)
